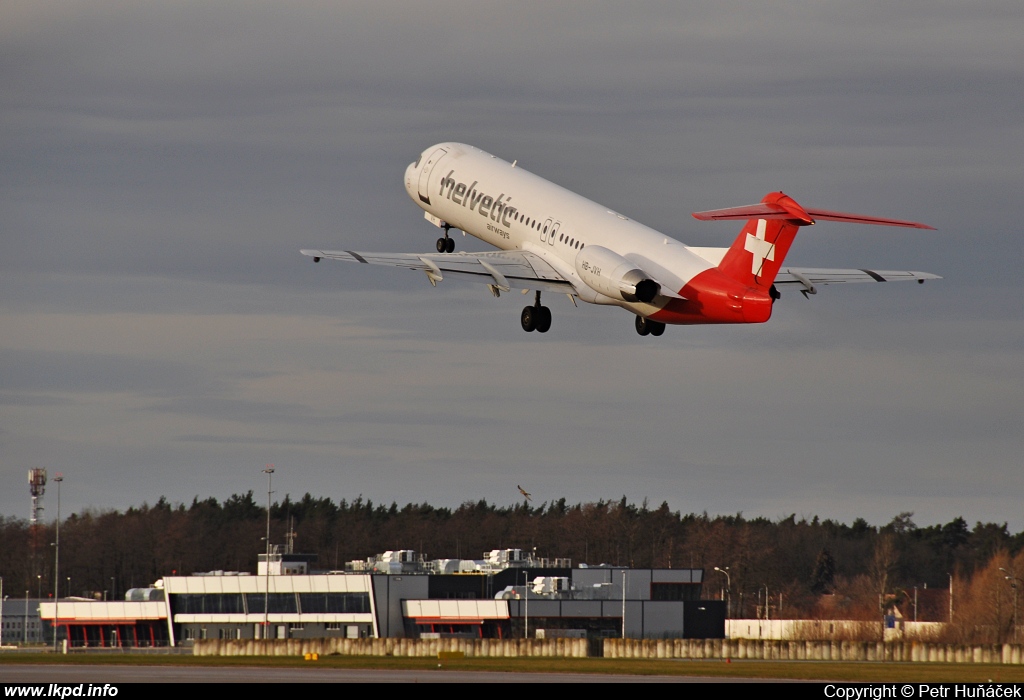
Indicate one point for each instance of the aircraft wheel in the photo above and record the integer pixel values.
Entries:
(543, 319)
(657, 328)
(449, 245)
(529, 319)
(643, 326)
(442, 244)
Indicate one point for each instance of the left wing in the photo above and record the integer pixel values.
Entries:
(501, 271)
(808, 278)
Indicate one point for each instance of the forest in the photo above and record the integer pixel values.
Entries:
(786, 568)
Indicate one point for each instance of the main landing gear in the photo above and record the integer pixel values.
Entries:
(536, 317)
(645, 326)
(446, 245)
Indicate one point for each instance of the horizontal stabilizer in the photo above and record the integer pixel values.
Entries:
(861, 219)
(761, 210)
(779, 210)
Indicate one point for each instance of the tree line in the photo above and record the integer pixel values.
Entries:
(789, 567)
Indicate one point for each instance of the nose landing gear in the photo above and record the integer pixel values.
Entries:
(446, 244)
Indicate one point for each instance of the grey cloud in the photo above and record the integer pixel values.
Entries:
(68, 372)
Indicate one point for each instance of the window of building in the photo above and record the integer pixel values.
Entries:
(335, 602)
(675, 591)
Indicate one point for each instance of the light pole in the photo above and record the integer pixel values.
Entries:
(623, 603)
(1012, 578)
(56, 565)
(1, 611)
(950, 598)
(25, 625)
(728, 590)
(269, 471)
(526, 595)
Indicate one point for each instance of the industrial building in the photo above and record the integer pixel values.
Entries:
(19, 621)
(508, 593)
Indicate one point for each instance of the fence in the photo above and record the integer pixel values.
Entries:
(391, 646)
(774, 650)
(778, 650)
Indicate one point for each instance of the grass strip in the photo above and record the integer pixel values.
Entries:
(864, 671)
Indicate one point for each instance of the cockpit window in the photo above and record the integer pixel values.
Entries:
(417, 163)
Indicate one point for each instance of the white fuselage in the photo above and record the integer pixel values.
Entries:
(513, 209)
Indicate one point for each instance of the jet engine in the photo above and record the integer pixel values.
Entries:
(612, 275)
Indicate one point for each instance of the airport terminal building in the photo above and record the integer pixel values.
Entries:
(506, 594)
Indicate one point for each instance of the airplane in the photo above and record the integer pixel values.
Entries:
(554, 240)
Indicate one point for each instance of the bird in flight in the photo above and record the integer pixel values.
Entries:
(523, 491)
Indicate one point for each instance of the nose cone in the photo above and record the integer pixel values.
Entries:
(410, 180)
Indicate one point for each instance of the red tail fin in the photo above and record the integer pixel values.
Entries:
(757, 253)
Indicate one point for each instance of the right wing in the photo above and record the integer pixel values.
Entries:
(499, 270)
(808, 278)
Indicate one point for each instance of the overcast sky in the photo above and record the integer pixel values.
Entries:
(164, 162)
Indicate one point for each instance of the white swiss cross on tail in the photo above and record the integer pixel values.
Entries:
(759, 248)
